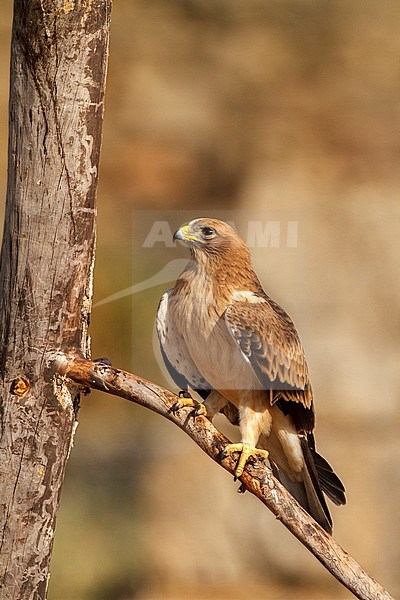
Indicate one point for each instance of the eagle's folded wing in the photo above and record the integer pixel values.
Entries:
(268, 340)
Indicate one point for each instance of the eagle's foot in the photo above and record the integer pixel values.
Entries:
(185, 399)
(245, 452)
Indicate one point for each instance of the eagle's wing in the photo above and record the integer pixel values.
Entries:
(176, 356)
(268, 339)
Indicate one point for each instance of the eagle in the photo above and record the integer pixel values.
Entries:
(224, 338)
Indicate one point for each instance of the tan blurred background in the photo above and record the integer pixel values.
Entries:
(286, 109)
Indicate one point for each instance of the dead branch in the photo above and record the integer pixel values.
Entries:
(257, 477)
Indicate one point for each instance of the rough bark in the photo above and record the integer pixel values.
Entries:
(58, 65)
(257, 478)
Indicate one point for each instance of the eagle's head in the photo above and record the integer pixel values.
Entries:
(210, 236)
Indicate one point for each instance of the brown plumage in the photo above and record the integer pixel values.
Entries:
(222, 336)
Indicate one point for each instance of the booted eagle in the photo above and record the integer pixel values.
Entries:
(223, 337)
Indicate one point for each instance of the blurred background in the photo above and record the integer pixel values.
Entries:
(280, 111)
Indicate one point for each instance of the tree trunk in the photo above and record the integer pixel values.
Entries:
(58, 65)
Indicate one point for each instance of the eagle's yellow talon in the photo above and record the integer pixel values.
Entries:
(245, 452)
(200, 409)
(185, 399)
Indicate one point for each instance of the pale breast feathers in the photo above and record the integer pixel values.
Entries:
(175, 353)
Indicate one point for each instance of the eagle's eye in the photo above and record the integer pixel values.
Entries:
(208, 232)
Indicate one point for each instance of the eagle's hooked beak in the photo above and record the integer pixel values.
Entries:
(183, 235)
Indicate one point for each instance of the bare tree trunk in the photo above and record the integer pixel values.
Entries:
(58, 65)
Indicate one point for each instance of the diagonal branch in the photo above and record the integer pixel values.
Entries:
(257, 477)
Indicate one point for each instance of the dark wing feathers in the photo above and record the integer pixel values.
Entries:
(268, 339)
(303, 418)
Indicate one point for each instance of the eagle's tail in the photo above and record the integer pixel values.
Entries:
(318, 477)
